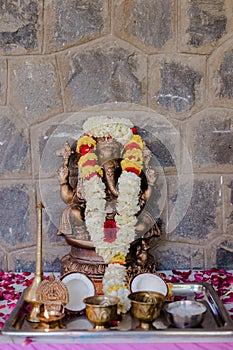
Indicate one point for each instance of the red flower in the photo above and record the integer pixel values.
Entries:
(84, 149)
(134, 130)
(110, 230)
(93, 174)
(133, 170)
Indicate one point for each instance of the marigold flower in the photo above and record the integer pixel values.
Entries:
(86, 157)
(125, 163)
(135, 139)
(85, 140)
(118, 258)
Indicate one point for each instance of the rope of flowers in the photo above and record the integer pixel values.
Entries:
(114, 249)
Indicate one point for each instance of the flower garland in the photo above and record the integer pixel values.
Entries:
(113, 248)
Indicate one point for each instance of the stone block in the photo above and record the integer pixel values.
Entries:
(201, 220)
(148, 25)
(71, 22)
(220, 75)
(106, 72)
(210, 140)
(3, 81)
(25, 260)
(34, 88)
(3, 261)
(50, 136)
(177, 84)
(21, 27)
(169, 256)
(197, 257)
(220, 253)
(54, 205)
(14, 146)
(224, 255)
(16, 214)
(203, 24)
(50, 231)
(228, 204)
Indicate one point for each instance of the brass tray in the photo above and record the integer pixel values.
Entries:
(216, 323)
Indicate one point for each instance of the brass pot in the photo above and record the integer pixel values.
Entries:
(101, 310)
(146, 307)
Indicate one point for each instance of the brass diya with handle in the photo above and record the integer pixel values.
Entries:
(101, 310)
(146, 307)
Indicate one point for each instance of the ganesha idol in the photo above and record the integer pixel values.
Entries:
(106, 180)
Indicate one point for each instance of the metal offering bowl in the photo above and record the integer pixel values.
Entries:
(146, 307)
(185, 313)
(101, 310)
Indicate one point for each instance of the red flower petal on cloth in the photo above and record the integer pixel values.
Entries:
(227, 300)
(198, 296)
(28, 282)
(12, 306)
(27, 341)
(26, 273)
(7, 296)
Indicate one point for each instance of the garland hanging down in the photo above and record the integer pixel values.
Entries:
(113, 248)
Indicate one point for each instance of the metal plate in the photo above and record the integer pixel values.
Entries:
(217, 322)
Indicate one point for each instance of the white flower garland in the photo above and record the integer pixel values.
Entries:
(114, 280)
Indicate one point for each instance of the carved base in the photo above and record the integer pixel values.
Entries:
(88, 262)
(91, 266)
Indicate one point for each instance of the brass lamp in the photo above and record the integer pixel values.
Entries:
(30, 295)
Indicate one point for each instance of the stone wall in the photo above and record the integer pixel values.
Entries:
(168, 62)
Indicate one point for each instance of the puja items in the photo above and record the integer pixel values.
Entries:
(101, 310)
(52, 295)
(146, 307)
(30, 295)
(185, 313)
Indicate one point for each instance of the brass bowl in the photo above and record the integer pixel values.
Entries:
(101, 310)
(146, 307)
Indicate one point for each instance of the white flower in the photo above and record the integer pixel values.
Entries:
(103, 126)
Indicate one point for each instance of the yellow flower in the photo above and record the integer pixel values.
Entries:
(118, 258)
(125, 163)
(136, 153)
(114, 288)
(137, 139)
(86, 157)
(85, 140)
(88, 170)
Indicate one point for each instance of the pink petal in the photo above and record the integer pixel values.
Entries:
(27, 341)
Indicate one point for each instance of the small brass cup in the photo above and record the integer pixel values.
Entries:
(101, 310)
(146, 307)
